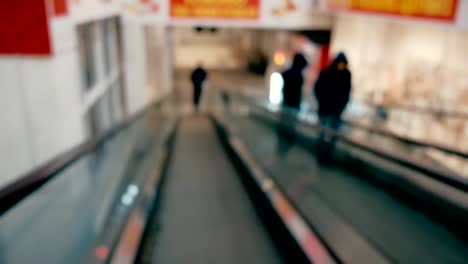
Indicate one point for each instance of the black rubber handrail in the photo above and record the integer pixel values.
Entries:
(406, 140)
(411, 141)
(448, 178)
(420, 110)
(16, 191)
(451, 179)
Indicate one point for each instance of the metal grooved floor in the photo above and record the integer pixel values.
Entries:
(205, 215)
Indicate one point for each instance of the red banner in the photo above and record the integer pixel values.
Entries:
(426, 9)
(215, 9)
(24, 28)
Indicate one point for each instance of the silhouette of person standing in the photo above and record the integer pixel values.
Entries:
(198, 77)
(293, 82)
(333, 90)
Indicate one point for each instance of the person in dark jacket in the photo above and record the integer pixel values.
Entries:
(332, 91)
(198, 77)
(293, 82)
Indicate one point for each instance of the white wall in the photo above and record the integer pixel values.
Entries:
(44, 99)
(462, 19)
(134, 65)
(41, 104)
(15, 148)
(409, 64)
(147, 63)
(221, 50)
(53, 104)
(408, 61)
(83, 11)
(45, 102)
(229, 49)
(158, 62)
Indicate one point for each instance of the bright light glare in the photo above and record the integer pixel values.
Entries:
(279, 58)
(133, 189)
(276, 88)
(127, 199)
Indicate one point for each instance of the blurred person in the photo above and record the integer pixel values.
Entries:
(285, 132)
(332, 91)
(258, 64)
(198, 77)
(293, 81)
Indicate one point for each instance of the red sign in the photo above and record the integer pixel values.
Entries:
(60, 7)
(24, 28)
(215, 9)
(427, 9)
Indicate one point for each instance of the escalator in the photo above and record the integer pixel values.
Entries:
(164, 189)
(356, 214)
(204, 215)
(154, 190)
(75, 209)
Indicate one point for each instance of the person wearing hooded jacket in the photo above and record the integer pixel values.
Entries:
(198, 77)
(293, 82)
(332, 91)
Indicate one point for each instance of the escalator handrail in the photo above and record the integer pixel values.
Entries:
(450, 179)
(407, 140)
(27, 184)
(421, 110)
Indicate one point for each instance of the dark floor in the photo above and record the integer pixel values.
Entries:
(205, 215)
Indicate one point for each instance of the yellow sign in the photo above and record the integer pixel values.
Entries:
(429, 9)
(215, 9)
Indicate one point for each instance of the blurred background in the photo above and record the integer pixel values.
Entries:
(74, 70)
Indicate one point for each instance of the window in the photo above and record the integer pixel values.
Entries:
(85, 45)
